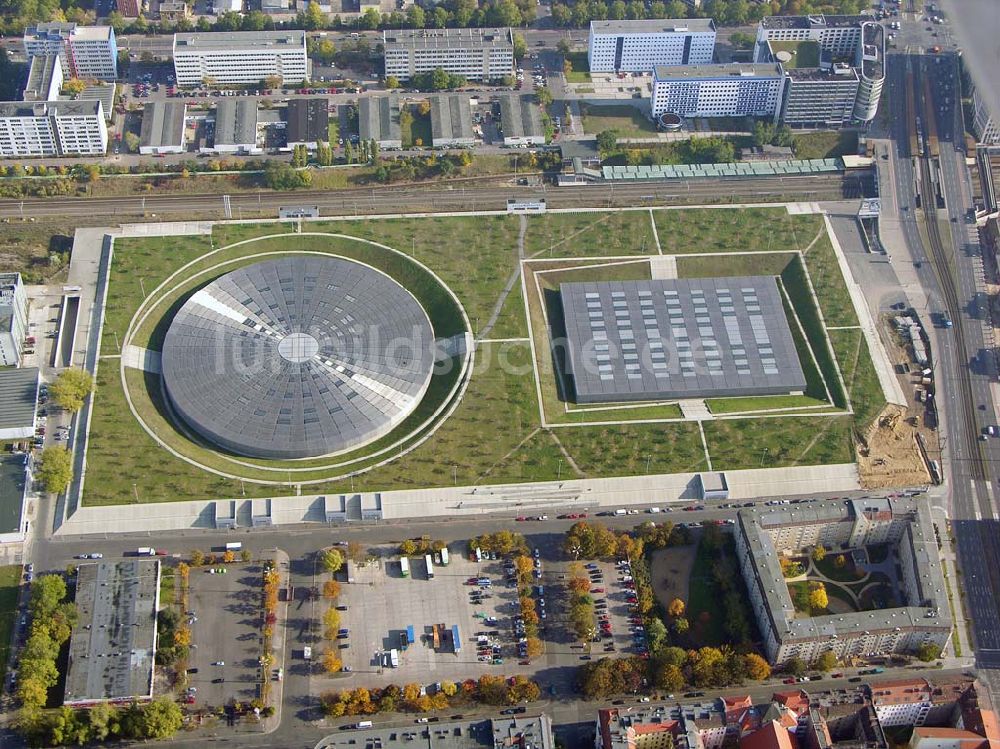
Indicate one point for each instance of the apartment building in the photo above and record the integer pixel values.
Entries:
(838, 35)
(45, 79)
(922, 615)
(240, 57)
(81, 128)
(729, 90)
(86, 52)
(639, 46)
(476, 54)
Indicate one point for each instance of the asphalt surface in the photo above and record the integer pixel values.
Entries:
(947, 266)
(468, 196)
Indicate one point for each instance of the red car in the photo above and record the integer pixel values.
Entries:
(520, 518)
(790, 680)
(597, 590)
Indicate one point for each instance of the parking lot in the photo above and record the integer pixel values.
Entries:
(224, 614)
(382, 604)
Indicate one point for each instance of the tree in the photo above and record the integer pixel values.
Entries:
(416, 18)
(313, 18)
(676, 608)
(818, 600)
(331, 623)
(533, 647)
(331, 589)
(818, 553)
(657, 634)
(356, 551)
(70, 389)
(161, 719)
(391, 82)
(928, 651)
(197, 558)
(840, 561)
(825, 662)
(56, 469)
(670, 677)
(681, 625)
(229, 556)
(520, 47)
(331, 662)
(440, 79)
(756, 667)
(795, 666)
(408, 548)
(31, 691)
(46, 593)
(74, 86)
(607, 141)
(281, 176)
(563, 46)
(567, 67)
(131, 142)
(331, 560)
(245, 555)
(543, 96)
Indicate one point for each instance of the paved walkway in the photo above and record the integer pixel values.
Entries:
(472, 501)
(138, 357)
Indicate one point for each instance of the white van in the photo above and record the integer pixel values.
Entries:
(364, 724)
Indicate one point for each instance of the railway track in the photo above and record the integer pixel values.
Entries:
(943, 266)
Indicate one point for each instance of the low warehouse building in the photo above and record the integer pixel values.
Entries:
(18, 402)
(521, 121)
(308, 122)
(378, 120)
(14, 480)
(163, 128)
(112, 647)
(451, 122)
(236, 126)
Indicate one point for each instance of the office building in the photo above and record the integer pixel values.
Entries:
(308, 122)
(86, 52)
(59, 128)
(639, 46)
(501, 732)
(451, 121)
(112, 646)
(13, 319)
(378, 120)
(45, 79)
(236, 126)
(163, 128)
(240, 57)
(678, 338)
(922, 615)
(174, 10)
(521, 121)
(815, 52)
(476, 54)
(820, 98)
(730, 90)
(984, 124)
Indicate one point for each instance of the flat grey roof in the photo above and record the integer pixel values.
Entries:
(297, 357)
(227, 40)
(162, 124)
(236, 122)
(102, 92)
(40, 76)
(715, 70)
(519, 117)
(13, 480)
(451, 117)
(308, 120)
(23, 109)
(518, 732)
(18, 398)
(77, 108)
(113, 644)
(378, 118)
(448, 38)
(849, 75)
(664, 339)
(660, 26)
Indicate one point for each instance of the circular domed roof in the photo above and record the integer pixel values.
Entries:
(298, 357)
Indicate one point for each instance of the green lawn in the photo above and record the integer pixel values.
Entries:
(846, 574)
(855, 360)
(590, 234)
(627, 120)
(10, 580)
(805, 54)
(825, 144)
(828, 282)
(762, 403)
(779, 442)
(726, 230)
(704, 602)
(581, 67)
(333, 131)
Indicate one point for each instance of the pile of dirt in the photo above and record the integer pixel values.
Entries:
(888, 453)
